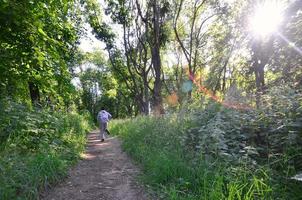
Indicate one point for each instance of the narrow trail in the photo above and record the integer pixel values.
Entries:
(105, 172)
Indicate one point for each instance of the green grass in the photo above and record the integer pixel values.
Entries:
(175, 171)
(37, 147)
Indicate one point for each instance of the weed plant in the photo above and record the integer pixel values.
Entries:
(36, 148)
(211, 152)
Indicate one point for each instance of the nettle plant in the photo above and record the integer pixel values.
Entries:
(262, 134)
(216, 131)
(280, 117)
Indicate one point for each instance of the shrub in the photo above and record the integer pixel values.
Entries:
(37, 146)
(213, 152)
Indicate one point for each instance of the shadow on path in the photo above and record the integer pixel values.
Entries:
(105, 172)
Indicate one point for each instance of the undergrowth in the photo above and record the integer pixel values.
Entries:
(36, 148)
(212, 152)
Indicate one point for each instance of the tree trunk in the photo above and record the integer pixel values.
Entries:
(260, 84)
(146, 96)
(34, 93)
(156, 62)
(259, 61)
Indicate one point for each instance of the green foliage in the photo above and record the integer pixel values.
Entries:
(213, 152)
(37, 45)
(99, 87)
(36, 148)
(209, 152)
(157, 144)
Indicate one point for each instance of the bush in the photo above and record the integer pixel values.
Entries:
(214, 152)
(170, 165)
(37, 146)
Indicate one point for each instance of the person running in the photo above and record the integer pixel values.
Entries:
(103, 119)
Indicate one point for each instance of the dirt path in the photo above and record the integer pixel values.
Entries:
(105, 172)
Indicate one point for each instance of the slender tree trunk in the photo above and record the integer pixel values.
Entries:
(146, 95)
(259, 61)
(260, 84)
(158, 105)
(117, 104)
(34, 93)
(224, 79)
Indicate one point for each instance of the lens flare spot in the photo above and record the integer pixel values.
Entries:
(172, 99)
(187, 86)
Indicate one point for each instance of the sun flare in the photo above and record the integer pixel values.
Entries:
(266, 18)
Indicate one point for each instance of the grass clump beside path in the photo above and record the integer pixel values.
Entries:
(36, 148)
(170, 167)
(207, 154)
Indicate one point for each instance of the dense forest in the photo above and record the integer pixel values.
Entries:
(206, 94)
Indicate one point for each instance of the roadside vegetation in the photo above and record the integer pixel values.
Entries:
(210, 91)
(37, 147)
(213, 152)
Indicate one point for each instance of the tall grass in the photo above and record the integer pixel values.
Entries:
(157, 144)
(37, 146)
(203, 155)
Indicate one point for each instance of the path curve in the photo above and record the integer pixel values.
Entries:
(105, 173)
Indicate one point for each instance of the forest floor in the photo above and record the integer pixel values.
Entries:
(104, 172)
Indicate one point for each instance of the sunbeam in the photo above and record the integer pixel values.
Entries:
(290, 43)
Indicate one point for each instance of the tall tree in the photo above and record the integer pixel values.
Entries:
(38, 42)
